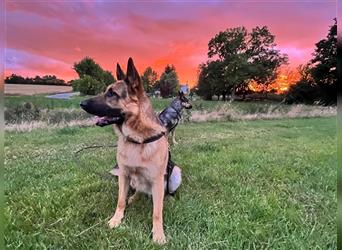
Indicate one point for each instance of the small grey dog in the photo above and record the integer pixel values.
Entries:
(171, 115)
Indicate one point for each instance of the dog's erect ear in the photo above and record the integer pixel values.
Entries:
(120, 75)
(132, 78)
(180, 93)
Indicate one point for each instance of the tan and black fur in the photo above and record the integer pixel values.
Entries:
(142, 166)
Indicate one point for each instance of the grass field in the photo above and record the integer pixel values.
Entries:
(246, 185)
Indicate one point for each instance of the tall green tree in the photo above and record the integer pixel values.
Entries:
(93, 78)
(87, 66)
(210, 80)
(264, 59)
(318, 83)
(324, 65)
(241, 57)
(149, 79)
(169, 83)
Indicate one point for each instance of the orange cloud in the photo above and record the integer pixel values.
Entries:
(154, 34)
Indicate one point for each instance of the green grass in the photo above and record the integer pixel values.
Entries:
(246, 185)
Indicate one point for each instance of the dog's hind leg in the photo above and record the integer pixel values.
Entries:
(173, 136)
(121, 205)
(158, 199)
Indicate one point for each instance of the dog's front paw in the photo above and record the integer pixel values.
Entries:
(115, 221)
(159, 238)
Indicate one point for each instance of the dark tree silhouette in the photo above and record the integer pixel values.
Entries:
(169, 83)
(318, 83)
(239, 57)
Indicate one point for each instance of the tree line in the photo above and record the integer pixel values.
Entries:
(93, 79)
(44, 80)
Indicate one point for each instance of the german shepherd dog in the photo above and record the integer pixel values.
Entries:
(142, 152)
(171, 115)
(170, 118)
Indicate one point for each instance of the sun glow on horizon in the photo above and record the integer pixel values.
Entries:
(285, 79)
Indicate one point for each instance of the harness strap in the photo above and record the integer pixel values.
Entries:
(177, 112)
(169, 169)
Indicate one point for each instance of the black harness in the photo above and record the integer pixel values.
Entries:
(170, 163)
(148, 140)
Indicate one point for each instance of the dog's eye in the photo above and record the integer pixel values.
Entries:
(111, 93)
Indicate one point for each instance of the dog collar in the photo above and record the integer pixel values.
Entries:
(148, 140)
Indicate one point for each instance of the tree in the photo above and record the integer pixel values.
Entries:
(264, 58)
(96, 79)
(107, 77)
(169, 83)
(149, 79)
(14, 79)
(318, 83)
(87, 66)
(324, 65)
(305, 90)
(242, 57)
(210, 80)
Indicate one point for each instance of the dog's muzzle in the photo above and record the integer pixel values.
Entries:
(105, 114)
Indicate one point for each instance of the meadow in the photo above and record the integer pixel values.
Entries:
(265, 184)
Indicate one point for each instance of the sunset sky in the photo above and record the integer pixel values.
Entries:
(48, 37)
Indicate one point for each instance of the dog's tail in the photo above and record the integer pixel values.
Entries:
(175, 180)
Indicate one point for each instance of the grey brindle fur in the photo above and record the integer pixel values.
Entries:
(171, 115)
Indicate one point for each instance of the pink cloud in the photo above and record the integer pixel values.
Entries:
(153, 34)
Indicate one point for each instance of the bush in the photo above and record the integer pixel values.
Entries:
(24, 112)
(92, 78)
(303, 92)
(87, 85)
(28, 112)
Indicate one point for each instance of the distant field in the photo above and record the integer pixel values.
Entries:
(31, 89)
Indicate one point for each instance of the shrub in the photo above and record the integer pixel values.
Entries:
(87, 85)
(303, 92)
(25, 112)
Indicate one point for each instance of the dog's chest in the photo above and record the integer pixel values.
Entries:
(139, 179)
(133, 156)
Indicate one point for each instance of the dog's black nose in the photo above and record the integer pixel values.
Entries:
(84, 104)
